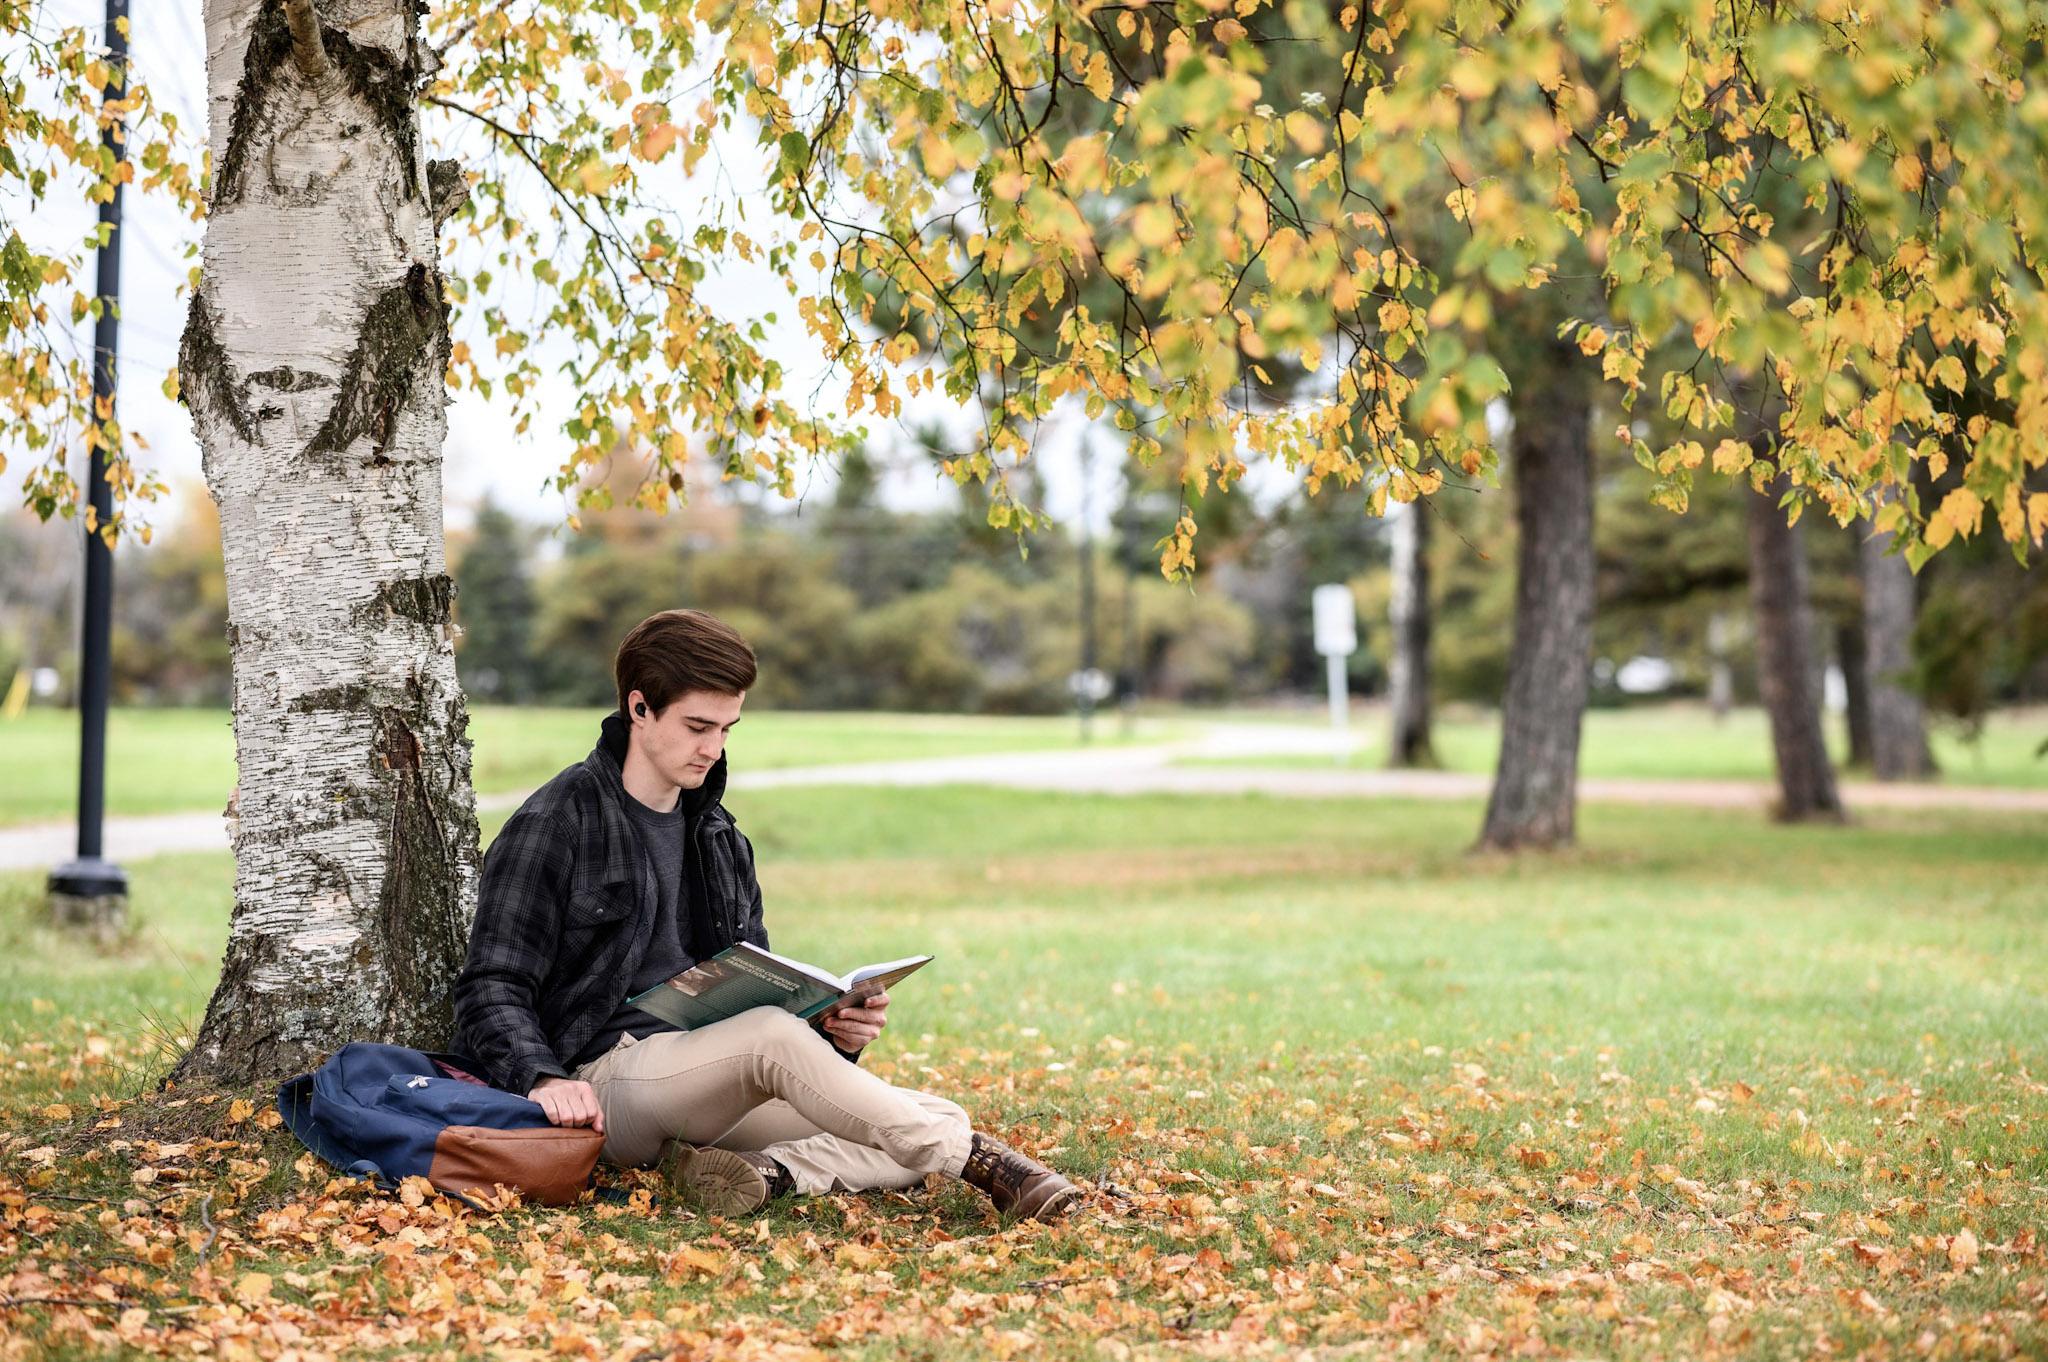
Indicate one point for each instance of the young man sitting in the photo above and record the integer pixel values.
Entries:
(622, 872)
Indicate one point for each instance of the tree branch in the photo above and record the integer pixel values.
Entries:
(307, 49)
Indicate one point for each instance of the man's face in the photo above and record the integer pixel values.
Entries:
(685, 739)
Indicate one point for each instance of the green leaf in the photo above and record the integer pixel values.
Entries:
(796, 149)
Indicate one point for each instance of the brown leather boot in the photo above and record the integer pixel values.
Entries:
(725, 1181)
(1016, 1183)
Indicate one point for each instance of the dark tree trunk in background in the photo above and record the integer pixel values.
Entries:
(1550, 463)
(1898, 724)
(1408, 682)
(1852, 655)
(1784, 660)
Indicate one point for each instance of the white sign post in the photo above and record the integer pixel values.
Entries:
(1336, 621)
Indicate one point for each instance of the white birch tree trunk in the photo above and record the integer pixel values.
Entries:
(313, 364)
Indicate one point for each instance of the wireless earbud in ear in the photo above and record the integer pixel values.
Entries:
(641, 709)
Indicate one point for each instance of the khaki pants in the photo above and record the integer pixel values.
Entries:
(767, 1080)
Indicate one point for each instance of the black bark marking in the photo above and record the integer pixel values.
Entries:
(397, 747)
(423, 600)
(263, 61)
(418, 911)
(378, 378)
(354, 695)
(289, 380)
(205, 370)
(447, 189)
(385, 86)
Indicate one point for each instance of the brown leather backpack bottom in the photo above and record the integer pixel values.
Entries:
(547, 1164)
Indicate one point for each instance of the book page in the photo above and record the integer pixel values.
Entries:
(866, 972)
(867, 982)
(809, 971)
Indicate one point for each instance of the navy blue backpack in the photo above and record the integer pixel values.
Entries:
(390, 1113)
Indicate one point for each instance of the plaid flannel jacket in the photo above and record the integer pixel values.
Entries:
(565, 908)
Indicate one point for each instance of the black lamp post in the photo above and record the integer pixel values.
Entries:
(92, 889)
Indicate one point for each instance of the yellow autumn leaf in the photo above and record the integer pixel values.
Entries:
(1474, 77)
(252, 1287)
(684, 1262)
(1962, 510)
(595, 177)
(1099, 81)
(1732, 456)
(659, 139)
(1152, 225)
(939, 160)
(1939, 532)
(1306, 131)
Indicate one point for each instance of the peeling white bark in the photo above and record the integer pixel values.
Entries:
(355, 852)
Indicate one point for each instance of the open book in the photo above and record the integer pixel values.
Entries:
(744, 976)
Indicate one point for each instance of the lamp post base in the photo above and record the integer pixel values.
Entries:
(91, 894)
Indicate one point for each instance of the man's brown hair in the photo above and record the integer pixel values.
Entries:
(677, 651)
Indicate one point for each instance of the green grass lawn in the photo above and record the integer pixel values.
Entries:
(174, 760)
(170, 760)
(1685, 742)
(1704, 1087)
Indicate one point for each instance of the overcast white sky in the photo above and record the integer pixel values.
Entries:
(483, 453)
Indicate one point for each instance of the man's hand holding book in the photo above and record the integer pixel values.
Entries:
(856, 1025)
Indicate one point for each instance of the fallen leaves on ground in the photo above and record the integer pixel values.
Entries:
(1477, 1205)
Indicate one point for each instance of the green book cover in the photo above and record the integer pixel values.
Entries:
(744, 976)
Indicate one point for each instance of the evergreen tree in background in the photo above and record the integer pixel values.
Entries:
(494, 606)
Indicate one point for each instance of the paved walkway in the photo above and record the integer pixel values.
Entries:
(1152, 769)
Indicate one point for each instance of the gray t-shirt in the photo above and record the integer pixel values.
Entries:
(668, 951)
